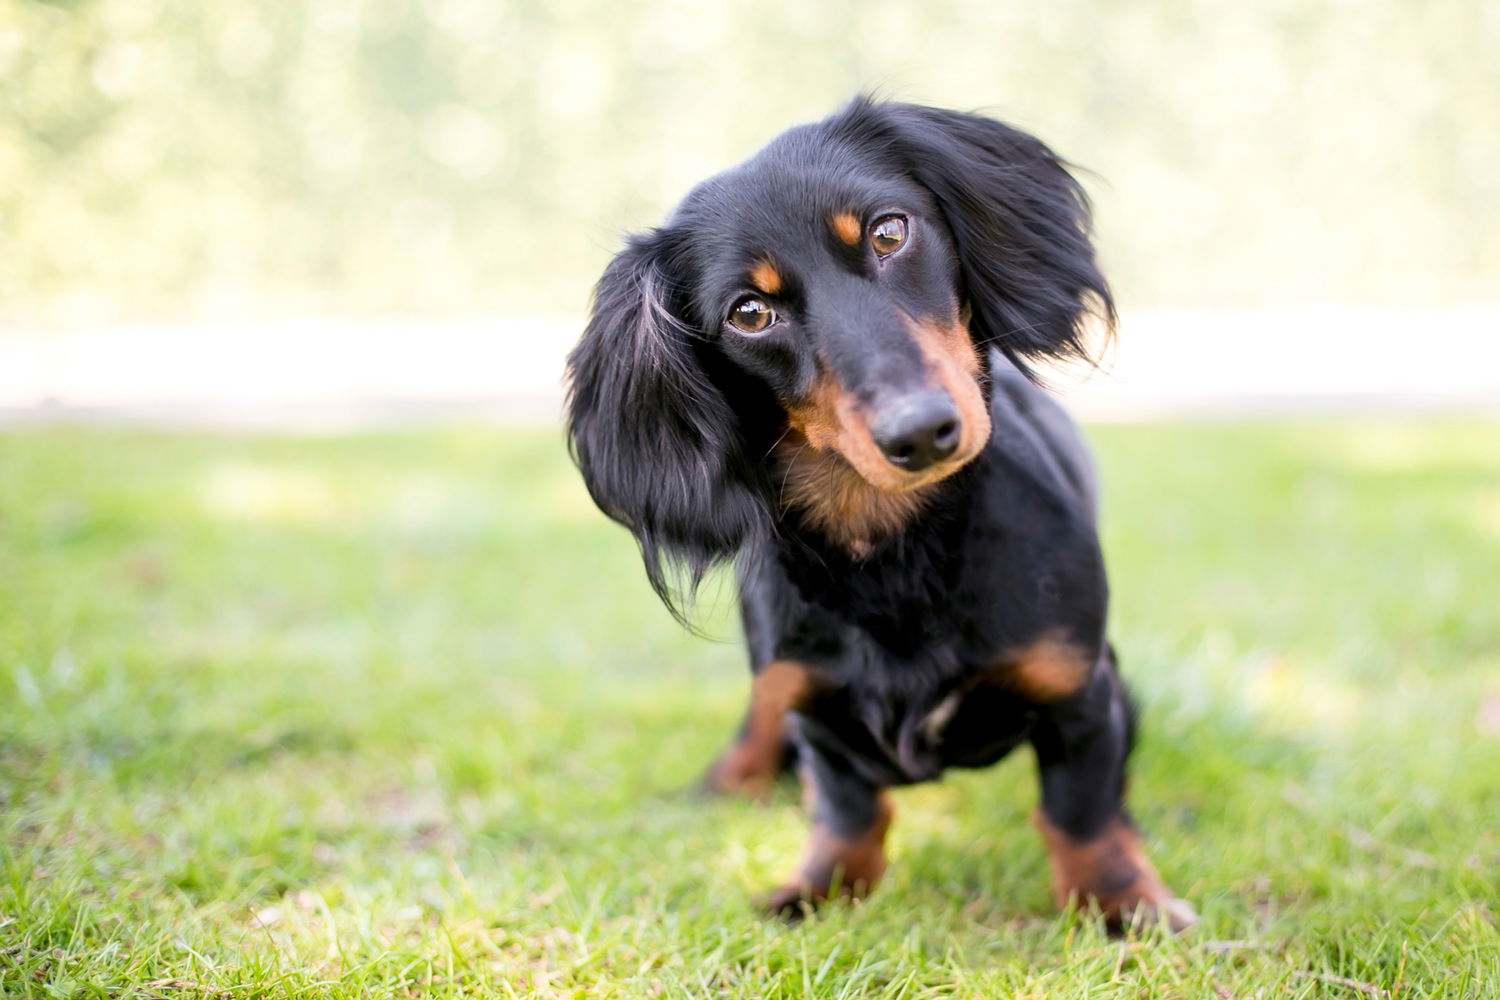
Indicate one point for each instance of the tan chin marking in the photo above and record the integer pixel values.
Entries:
(831, 468)
(836, 500)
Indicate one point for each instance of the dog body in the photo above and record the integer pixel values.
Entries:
(818, 368)
(917, 661)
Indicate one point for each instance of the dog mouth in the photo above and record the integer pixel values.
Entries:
(854, 491)
(908, 438)
(858, 474)
(923, 442)
(912, 442)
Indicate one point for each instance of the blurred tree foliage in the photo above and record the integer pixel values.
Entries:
(251, 157)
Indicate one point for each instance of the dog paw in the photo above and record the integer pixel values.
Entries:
(719, 783)
(1110, 870)
(1176, 915)
(744, 776)
(790, 904)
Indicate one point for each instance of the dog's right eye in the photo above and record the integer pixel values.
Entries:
(888, 234)
(751, 315)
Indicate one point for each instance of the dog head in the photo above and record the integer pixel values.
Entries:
(829, 301)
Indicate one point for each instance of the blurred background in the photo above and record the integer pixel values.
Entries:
(321, 676)
(318, 212)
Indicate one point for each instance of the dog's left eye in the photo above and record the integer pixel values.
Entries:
(888, 234)
(751, 315)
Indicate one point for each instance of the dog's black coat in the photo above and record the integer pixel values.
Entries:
(912, 638)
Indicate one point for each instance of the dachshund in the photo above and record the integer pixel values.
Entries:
(819, 370)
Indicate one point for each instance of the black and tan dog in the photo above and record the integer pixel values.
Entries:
(818, 368)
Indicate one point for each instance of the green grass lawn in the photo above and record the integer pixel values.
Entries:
(396, 715)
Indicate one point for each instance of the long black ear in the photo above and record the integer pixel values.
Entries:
(1020, 223)
(657, 442)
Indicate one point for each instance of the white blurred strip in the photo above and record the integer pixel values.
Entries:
(313, 373)
(1294, 360)
(331, 373)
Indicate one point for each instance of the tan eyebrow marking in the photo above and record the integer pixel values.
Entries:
(847, 227)
(765, 277)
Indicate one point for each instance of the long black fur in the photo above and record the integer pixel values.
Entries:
(1020, 223)
(913, 642)
(662, 448)
(660, 445)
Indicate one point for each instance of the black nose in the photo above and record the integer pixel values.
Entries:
(919, 430)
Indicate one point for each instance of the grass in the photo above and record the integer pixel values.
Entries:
(396, 715)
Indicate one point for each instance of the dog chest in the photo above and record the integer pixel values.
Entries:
(914, 734)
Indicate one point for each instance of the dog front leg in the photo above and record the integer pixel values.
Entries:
(762, 751)
(845, 854)
(1095, 852)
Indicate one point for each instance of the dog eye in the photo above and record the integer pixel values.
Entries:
(887, 234)
(751, 315)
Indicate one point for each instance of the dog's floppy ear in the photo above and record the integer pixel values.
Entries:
(658, 444)
(1019, 220)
